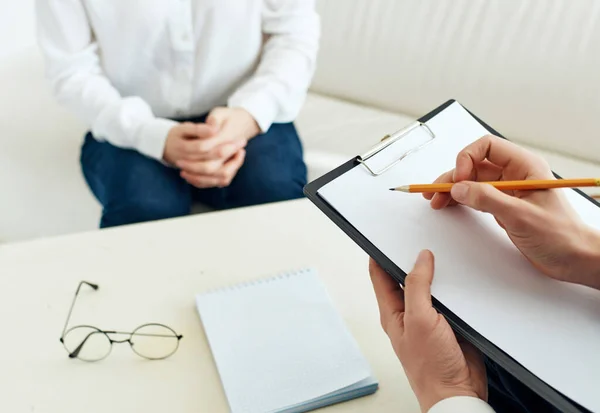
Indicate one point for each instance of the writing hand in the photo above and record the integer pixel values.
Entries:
(542, 224)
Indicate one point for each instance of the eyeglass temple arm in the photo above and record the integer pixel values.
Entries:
(177, 336)
(76, 352)
(94, 286)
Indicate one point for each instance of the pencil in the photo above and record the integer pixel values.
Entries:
(527, 185)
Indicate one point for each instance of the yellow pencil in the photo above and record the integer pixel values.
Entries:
(526, 185)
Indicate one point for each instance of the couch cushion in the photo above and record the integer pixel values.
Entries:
(334, 131)
(531, 68)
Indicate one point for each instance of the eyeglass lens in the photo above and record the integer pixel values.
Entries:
(92, 343)
(154, 341)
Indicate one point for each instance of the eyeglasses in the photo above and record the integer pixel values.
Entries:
(88, 343)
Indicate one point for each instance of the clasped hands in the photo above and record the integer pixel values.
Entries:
(210, 154)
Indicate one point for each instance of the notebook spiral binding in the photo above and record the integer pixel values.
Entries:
(259, 281)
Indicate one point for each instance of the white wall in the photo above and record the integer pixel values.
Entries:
(17, 26)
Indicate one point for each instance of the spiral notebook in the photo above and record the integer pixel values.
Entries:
(280, 346)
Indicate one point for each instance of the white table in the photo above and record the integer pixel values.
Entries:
(150, 273)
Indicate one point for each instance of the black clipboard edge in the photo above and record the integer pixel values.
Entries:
(548, 393)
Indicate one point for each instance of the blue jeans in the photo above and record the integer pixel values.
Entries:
(133, 188)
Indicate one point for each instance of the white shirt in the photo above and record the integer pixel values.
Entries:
(125, 66)
(461, 404)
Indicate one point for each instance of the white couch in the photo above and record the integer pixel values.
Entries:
(531, 69)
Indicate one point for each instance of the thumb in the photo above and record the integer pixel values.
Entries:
(217, 118)
(485, 198)
(417, 292)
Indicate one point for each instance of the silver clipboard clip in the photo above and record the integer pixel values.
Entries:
(389, 140)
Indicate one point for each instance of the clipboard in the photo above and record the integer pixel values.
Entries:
(551, 395)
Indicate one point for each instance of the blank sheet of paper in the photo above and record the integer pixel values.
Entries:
(551, 328)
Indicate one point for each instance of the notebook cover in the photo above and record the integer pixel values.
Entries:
(280, 345)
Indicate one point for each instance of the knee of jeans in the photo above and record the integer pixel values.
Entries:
(148, 208)
(275, 189)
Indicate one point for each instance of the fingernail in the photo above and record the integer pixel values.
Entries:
(459, 192)
(422, 258)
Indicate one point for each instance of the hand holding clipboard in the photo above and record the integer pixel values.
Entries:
(489, 294)
(430, 354)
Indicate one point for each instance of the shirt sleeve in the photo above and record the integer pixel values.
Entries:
(277, 90)
(461, 404)
(74, 70)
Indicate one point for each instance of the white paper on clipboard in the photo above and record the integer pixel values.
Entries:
(549, 327)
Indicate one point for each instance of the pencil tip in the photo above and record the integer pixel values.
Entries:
(392, 189)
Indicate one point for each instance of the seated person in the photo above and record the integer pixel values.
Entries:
(449, 375)
(189, 100)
